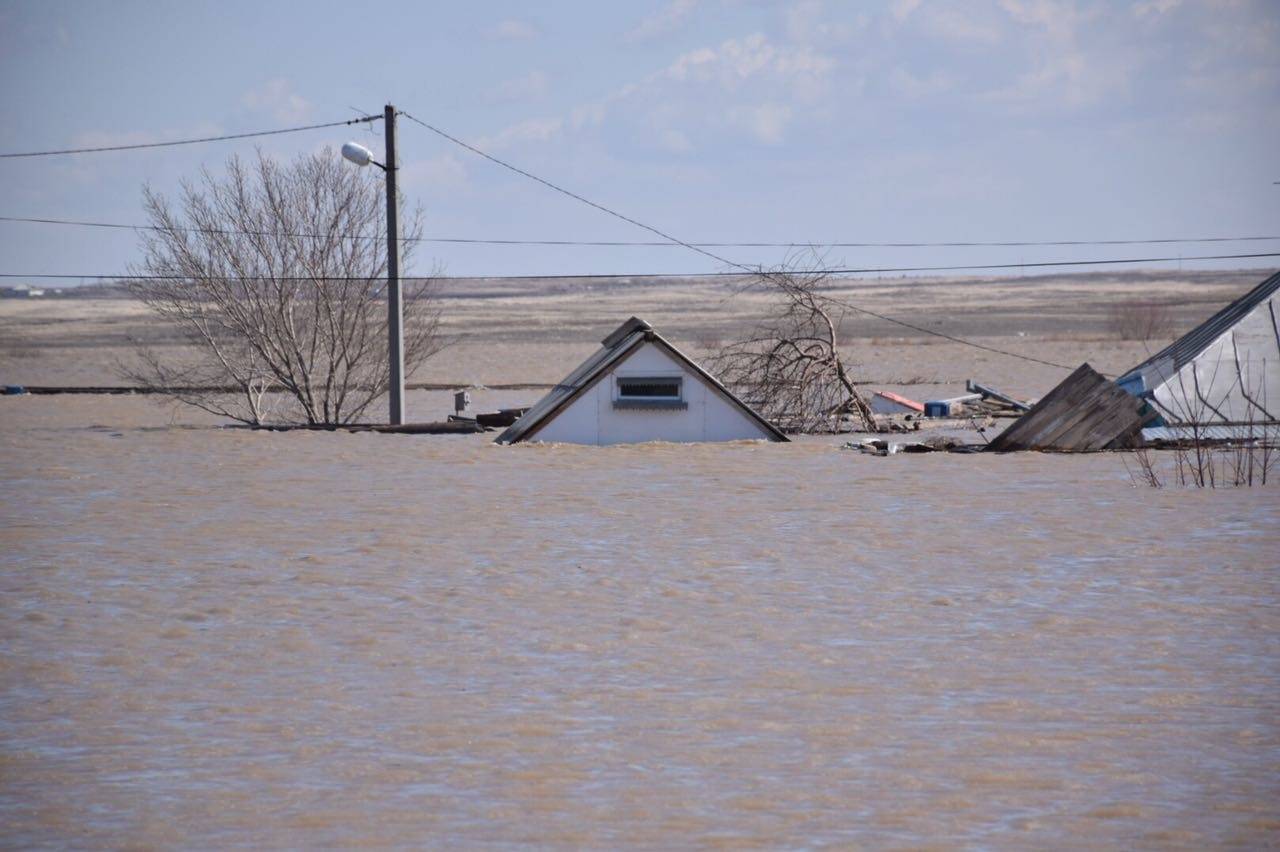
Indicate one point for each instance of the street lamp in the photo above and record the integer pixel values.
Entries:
(362, 156)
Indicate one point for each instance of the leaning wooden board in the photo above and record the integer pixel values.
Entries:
(1085, 413)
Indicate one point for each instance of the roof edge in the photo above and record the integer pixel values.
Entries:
(1174, 351)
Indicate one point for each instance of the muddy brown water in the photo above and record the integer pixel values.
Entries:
(214, 638)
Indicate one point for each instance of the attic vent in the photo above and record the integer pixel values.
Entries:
(649, 388)
(650, 392)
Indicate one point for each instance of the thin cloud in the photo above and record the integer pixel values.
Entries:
(807, 23)
(703, 84)
(909, 85)
(674, 141)
(1066, 68)
(736, 61)
(666, 20)
(277, 98)
(443, 172)
(512, 29)
(902, 9)
(530, 130)
(766, 122)
(958, 24)
(1154, 8)
(526, 87)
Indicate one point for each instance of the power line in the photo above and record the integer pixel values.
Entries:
(229, 136)
(946, 336)
(713, 256)
(573, 195)
(1049, 263)
(127, 277)
(866, 270)
(227, 231)
(634, 243)
(819, 244)
(699, 248)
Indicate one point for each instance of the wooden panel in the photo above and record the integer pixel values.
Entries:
(1085, 413)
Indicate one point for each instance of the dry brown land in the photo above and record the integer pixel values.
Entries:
(536, 331)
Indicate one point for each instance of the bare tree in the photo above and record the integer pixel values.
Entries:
(275, 278)
(790, 367)
(1138, 320)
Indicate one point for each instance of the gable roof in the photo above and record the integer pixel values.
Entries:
(615, 348)
(1182, 351)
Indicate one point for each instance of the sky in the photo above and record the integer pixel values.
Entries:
(723, 120)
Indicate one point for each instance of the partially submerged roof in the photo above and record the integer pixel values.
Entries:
(1184, 350)
(615, 348)
(898, 399)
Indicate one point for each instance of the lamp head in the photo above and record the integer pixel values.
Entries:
(357, 154)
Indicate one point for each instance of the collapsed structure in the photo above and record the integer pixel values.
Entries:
(1224, 371)
(639, 387)
(1220, 381)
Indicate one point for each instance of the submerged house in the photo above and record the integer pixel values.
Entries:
(638, 387)
(1225, 370)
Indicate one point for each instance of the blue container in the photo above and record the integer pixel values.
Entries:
(937, 408)
(14, 390)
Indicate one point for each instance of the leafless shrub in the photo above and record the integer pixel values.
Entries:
(1146, 473)
(1136, 320)
(1202, 456)
(1201, 463)
(1241, 463)
(275, 275)
(1248, 457)
(790, 367)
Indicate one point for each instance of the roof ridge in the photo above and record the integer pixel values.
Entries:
(623, 331)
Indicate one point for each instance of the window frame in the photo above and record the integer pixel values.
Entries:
(622, 400)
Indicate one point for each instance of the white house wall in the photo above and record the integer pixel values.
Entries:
(593, 419)
(1211, 381)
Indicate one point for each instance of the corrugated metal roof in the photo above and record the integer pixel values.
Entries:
(624, 340)
(1183, 350)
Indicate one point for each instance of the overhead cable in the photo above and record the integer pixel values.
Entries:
(750, 270)
(229, 136)
(574, 195)
(866, 270)
(633, 243)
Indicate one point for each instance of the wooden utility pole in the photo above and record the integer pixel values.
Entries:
(395, 303)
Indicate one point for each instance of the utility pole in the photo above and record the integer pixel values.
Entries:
(395, 304)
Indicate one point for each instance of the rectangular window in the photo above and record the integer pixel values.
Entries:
(649, 392)
(648, 387)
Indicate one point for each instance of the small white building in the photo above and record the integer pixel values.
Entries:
(1225, 370)
(638, 387)
(21, 291)
(888, 402)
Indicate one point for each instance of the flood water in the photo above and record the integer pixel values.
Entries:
(216, 638)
